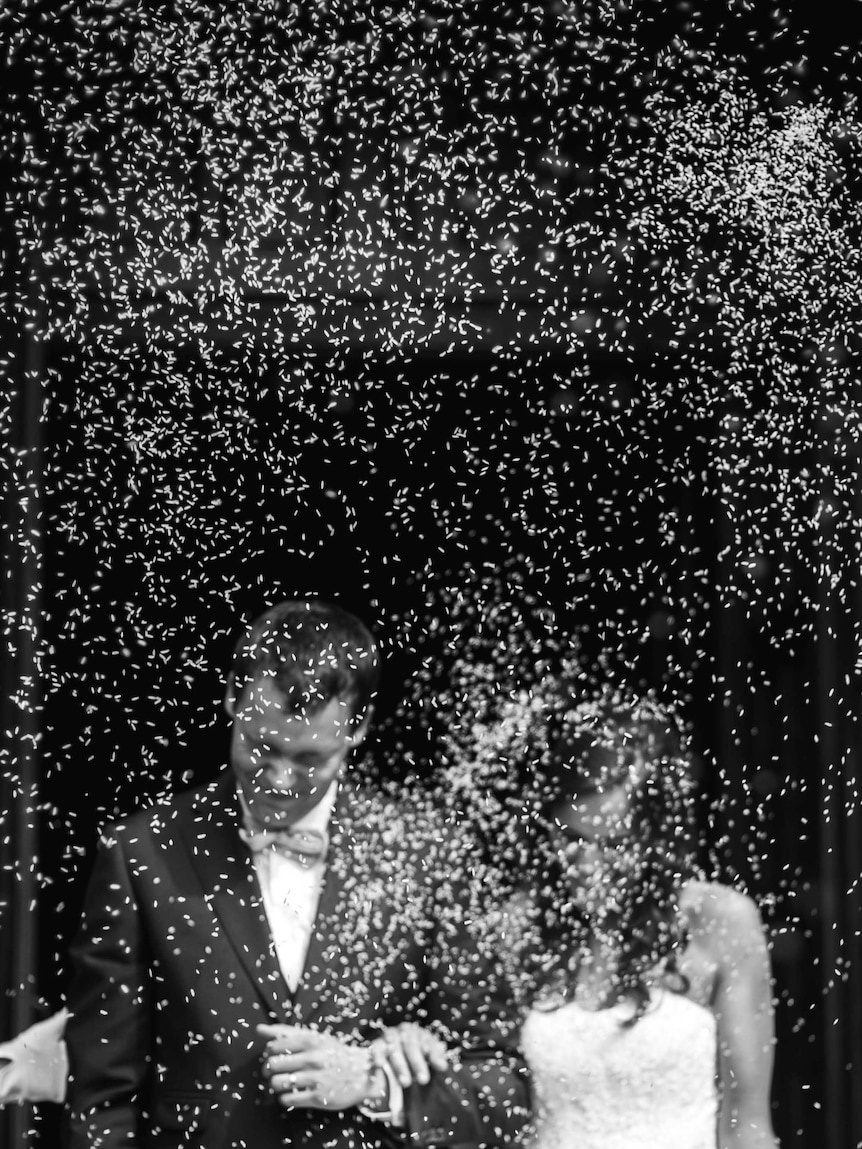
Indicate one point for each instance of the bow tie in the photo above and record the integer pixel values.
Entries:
(306, 846)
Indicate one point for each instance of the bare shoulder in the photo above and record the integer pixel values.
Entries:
(722, 920)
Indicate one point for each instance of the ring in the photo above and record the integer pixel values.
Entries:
(291, 1081)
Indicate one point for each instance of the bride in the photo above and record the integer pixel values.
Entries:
(647, 994)
(651, 1020)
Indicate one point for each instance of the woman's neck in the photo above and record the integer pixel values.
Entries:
(595, 970)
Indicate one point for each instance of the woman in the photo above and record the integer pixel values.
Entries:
(651, 1021)
(648, 1019)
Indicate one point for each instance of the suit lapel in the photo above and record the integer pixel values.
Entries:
(336, 964)
(229, 880)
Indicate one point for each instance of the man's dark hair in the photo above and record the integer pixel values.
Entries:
(315, 651)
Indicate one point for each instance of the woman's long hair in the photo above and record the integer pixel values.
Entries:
(601, 744)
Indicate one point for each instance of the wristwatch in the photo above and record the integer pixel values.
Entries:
(385, 1097)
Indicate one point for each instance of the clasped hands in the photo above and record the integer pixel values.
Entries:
(308, 1069)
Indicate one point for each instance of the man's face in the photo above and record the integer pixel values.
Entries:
(283, 762)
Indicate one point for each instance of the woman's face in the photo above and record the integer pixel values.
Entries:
(599, 848)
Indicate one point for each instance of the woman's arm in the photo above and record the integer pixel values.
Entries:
(743, 1009)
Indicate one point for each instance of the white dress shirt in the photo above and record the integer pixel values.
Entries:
(291, 895)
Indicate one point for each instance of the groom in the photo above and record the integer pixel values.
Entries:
(245, 943)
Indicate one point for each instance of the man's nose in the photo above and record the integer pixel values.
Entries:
(279, 773)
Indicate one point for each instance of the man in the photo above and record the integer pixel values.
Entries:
(245, 944)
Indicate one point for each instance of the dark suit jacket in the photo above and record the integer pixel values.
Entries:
(174, 967)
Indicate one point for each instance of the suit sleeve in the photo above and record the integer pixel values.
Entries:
(484, 1101)
(109, 1031)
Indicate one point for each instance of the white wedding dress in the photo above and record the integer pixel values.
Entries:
(601, 1085)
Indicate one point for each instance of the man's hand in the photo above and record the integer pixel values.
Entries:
(307, 1069)
(411, 1052)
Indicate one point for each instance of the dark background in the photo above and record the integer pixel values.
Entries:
(496, 394)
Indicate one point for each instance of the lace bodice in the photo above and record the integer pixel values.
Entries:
(599, 1085)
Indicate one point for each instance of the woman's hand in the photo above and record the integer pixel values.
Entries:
(411, 1053)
